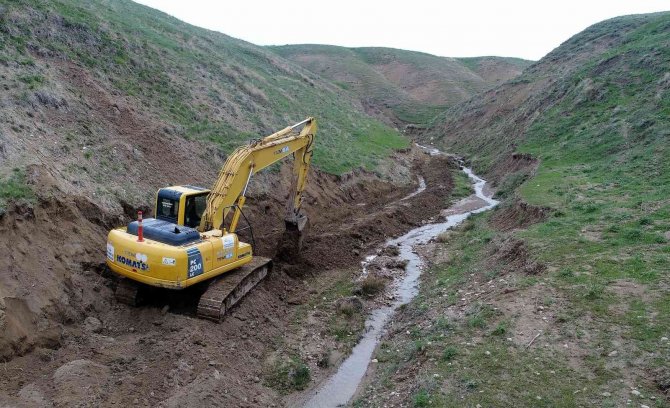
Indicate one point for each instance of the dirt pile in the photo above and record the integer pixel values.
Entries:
(512, 164)
(360, 228)
(48, 246)
(511, 255)
(55, 246)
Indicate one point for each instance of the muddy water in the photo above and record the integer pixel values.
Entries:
(341, 387)
(420, 189)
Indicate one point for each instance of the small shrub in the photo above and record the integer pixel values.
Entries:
(477, 321)
(421, 399)
(614, 228)
(645, 221)
(372, 285)
(500, 329)
(562, 318)
(478, 315)
(391, 250)
(300, 377)
(449, 354)
(632, 234)
(468, 225)
(33, 81)
(349, 306)
(444, 237)
(565, 273)
(15, 188)
(288, 375)
(324, 360)
(470, 384)
(594, 292)
(586, 207)
(419, 346)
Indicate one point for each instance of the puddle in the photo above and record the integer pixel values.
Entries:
(340, 388)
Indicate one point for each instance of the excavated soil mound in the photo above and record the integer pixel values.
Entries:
(512, 256)
(518, 215)
(45, 282)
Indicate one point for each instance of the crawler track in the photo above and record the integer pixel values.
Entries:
(225, 291)
(127, 292)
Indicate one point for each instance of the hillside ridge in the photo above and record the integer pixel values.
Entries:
(402, 86)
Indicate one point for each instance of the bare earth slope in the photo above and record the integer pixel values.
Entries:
(403, 86)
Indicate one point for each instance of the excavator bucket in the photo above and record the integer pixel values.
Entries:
(296, 222)
(290, 245)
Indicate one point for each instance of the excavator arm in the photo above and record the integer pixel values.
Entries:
(229, 191)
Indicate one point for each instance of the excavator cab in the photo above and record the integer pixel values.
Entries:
(181, 205)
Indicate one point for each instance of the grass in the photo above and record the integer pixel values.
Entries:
(31, 80)
(14, 188)
(511, 182)
(468, 361)
(343, 324)
(288, 375)
(372, 285)
(462, 186)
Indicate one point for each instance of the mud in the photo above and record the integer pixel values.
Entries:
(160, 354)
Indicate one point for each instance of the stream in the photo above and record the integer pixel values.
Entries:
(339, 389)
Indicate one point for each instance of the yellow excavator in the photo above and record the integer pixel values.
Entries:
(193, 235)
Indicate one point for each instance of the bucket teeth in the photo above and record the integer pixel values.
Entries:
(224, 292)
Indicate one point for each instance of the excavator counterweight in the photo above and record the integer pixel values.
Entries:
(193, 238)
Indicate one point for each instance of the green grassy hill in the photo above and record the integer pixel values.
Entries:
(577, 256)
(86, 82)
(403, 86)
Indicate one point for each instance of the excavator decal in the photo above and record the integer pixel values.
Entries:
(132, 263)
(194, 262)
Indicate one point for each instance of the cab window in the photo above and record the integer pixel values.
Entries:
(167, 209)
(195, 207)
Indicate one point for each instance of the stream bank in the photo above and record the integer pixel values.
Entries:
(339, 389)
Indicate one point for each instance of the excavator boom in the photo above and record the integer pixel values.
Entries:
(229, 191)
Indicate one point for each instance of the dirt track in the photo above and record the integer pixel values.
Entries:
(82, 348)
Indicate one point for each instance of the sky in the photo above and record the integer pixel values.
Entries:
(465, 28)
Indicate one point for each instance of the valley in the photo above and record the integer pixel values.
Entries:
(554, 291)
